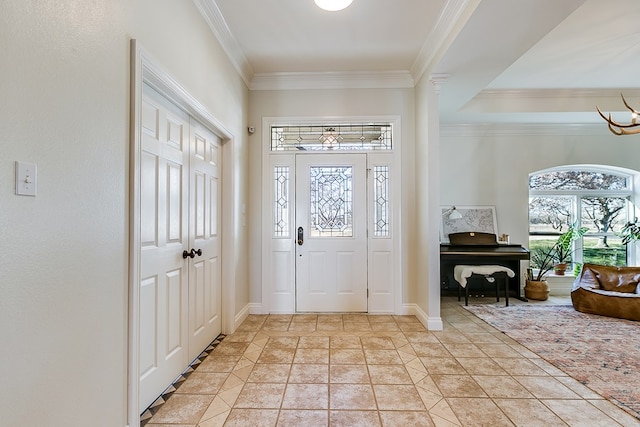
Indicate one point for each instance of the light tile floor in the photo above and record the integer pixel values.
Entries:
(378, 370)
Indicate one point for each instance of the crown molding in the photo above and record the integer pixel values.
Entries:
(522, 129)
(212, 15)
(332, 80)
(453, 17)
(564, 93)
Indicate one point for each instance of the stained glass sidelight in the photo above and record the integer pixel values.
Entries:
(281, 201)
(381, 201)
(331, 201)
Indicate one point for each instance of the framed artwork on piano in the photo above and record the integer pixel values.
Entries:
(467, 218)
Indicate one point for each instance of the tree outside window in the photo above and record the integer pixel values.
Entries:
(595, 198)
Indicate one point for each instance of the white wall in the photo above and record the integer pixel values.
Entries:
(64, 80)
(491, 165)
(330, 104)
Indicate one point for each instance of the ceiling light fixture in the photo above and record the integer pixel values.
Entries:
(619, 128)
(333, 5)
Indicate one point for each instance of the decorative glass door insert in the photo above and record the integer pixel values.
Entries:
(331, 201)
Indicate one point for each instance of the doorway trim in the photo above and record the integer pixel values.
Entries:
(278, 263)
(144, 69)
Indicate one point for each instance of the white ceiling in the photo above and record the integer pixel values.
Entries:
(524, 61)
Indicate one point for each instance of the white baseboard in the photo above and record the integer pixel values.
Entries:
(241, 316)
(432, 323)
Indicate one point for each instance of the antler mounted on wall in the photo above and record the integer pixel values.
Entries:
(619, 128)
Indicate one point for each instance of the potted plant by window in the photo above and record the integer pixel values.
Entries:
(545, 259)
(563, 249)
(536, 286)
(630, 232)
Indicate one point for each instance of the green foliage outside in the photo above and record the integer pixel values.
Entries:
(591, 253)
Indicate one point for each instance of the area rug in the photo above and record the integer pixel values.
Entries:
(601, 352)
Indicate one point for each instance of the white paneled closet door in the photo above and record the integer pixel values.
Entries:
(180, 245)
(163, 271)
(204, 235)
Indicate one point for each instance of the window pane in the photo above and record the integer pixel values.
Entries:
(604, 250)
(603, 214)
(381, 201)
(578, 180)
(550, 214)
(362, 136)
(331, 201)
(281, 201)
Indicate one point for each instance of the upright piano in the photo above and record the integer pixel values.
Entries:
(502, 254)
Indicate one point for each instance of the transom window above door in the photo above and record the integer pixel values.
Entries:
(362, 136)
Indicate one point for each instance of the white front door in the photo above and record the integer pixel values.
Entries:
(331, 233)
(204, 237)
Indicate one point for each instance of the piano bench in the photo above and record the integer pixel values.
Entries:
(492, 273)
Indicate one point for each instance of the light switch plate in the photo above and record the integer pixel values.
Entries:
(26, 179)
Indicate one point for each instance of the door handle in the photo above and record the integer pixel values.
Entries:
(188, 254)
(300, 236)
(192, 253)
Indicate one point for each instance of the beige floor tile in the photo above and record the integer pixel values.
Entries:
(229, 348)
(311, 355)
(502, 386)
(269, 373)
(354, 419)
(282, 342)
(297, 418)
(277, 355)
(349, 374)
(306, 396)
(520, 366)
(309, 373)
(480, 366)
(302, 327)
(406, 418)
(355, 369)
(398, 397)
(216, 408)
(529, 412)
(458, 386)
(546, 388)
(203, 383)
(430, 349)
(356, 327)
(385, 327)
(345, 341)
(464, 350)
(313, 342)
(260, 396)
(389, 374)
(252, 417)
(478, 412)
(346, 356)
(182, 409)
(329, 326)
(442, 365)
(498, 350)
(381, 357)
(351, 397)
(377, 343)
(442, 414)
(579, 413)
(421, 337)
(618, 414)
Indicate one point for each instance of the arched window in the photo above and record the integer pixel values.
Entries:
(586, 196)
